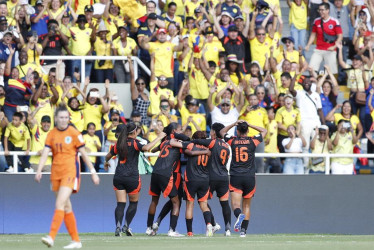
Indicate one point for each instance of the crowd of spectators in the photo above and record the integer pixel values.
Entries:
(210, 61)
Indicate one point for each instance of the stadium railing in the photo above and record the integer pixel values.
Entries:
(327, 157)
(135, 59)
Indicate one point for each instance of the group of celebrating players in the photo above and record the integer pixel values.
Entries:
(222, 163)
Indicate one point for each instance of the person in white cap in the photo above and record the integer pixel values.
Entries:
(320, 144)
(343, 141)
(103, 68)
(225, 114)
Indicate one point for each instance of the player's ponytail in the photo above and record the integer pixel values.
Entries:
(242, 128)
(122, 140)
(122, 144)
(169, 129)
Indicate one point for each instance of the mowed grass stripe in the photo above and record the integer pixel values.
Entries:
(218, 242)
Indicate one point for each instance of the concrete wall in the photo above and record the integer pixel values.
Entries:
(282, 204)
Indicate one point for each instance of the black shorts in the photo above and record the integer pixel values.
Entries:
(131, 185)
(160, 183)
(245, 185)
(221, 188)
(199, 188)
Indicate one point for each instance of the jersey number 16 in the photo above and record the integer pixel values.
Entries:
(241, 155)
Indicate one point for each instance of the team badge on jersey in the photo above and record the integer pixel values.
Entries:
(68, 139)
(330, 26)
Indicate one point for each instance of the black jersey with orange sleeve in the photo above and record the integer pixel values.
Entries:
(197, 166)
(243, 154)
(128, 167)
(219, 158)
(168, 160)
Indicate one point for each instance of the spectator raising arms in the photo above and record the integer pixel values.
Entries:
(343, 141)
(140, 99)
(293, 144)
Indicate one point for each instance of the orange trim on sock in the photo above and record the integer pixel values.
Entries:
(57, 219)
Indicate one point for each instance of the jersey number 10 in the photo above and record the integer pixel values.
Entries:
(202, 160)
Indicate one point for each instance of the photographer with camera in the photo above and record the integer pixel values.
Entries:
(346, 114)
(32, 47)
(343, 142)
(328, 33)
(102, 47)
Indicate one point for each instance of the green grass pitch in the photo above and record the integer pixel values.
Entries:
(107, 241)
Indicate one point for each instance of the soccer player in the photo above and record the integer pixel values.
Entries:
(242, 171)
(218, 173)
(126, 179)
(196, 179)
(65, 142)
(162, 180)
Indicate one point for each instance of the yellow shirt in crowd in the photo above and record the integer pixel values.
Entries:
(155, 97)
(298, 15)
(92, 113)
(17, 135)
(258, 50)
(90, 144)
(164, 60)
(80, 41)
(124, 51)
(271, 146)
(287, 118)
(257, 117)
(37, 144)
(199, 88)
(199, 119)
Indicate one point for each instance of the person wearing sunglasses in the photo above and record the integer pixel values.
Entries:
(165, 115)
(225, 114)
(291, 52)
(260, 43)
(158, 90)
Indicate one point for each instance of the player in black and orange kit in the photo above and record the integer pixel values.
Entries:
(126, 180)
(242, 171)
(218, 173)
(196, 180)
(163, 180)
(65, 141)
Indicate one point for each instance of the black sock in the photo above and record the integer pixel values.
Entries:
(237, 212)
(150, 219)
(244, 225)
(164, 211)
(130, 213)
(173, 222)
(226, 214)
(213, 221)
(189, 225)
(119, 212)
(207, 217)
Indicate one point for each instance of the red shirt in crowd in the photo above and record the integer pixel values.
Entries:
(330, 27)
